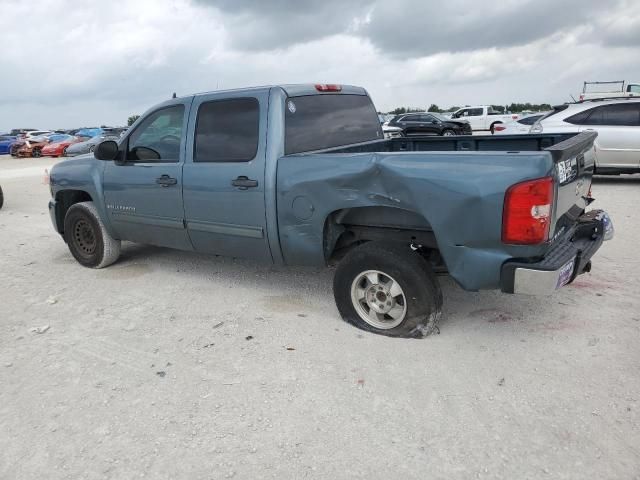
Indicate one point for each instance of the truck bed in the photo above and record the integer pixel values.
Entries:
(451, 186)
(490, 143)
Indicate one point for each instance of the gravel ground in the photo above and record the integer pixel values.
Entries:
(176, 365)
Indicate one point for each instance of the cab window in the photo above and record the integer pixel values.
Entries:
(227, 130)
(158, 138)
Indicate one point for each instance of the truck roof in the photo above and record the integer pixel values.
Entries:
(292, 90)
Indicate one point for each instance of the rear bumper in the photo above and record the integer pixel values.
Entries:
(563, 262)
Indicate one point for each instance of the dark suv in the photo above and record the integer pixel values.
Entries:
(425, 123)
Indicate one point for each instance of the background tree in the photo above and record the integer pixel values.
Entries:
(434, 108)
(401, 110)
(131, 120)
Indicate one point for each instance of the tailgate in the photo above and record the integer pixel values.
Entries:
(574, 159)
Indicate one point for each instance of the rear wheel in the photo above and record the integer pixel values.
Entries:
(36, 152)
(64, 151)
(88, 240)
(389, 289)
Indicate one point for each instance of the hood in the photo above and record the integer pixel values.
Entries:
(457, 121)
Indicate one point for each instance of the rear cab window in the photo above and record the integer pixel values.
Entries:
(318, 122)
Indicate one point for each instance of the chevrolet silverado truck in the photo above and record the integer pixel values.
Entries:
(301, 175)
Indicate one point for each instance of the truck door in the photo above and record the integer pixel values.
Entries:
(224, 190)
(478, 118)
(143, 190)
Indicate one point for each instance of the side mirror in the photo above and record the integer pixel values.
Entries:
(107, 150)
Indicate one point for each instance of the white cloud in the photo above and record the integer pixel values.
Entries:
(71, 64)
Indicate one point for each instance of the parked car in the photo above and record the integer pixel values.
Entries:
(59, 147)
(617, 121)
(88, 146)
(483, 117)
(518, 127)
(31, 148)
(5, 144)
(425, 123)
(618, 88)
(88, 132)
(300, 175)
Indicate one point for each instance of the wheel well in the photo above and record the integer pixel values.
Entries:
(64, 200)
(347, 228)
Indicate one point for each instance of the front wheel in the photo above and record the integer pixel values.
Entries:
(87, 238)
(388, 289)
(36, 153)
(448, 133)
(1, 198)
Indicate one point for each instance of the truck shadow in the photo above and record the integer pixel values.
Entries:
(616, 179)
(308, 290)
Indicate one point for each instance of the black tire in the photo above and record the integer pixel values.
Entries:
(421, 292)
(493, 127)
(87, 239)
(448, 132)
(64, 152)
(1, 198)
(36, 152)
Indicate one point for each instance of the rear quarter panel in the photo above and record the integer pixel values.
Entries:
(460, 195)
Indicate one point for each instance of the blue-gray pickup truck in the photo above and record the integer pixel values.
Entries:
(302, 175)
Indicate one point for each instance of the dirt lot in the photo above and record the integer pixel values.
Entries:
(176, 365)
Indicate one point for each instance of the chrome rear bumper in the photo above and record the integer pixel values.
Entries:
(563, 262)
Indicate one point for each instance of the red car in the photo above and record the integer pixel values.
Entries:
(59, 148)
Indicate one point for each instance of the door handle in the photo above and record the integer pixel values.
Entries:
(244, 182)
(166, 181)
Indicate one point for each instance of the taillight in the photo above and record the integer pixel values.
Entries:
(326, 87)
(526, 217)
(499, 128)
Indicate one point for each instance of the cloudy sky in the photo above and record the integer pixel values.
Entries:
(69, 63)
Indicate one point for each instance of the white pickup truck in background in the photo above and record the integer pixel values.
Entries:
(614, 89)
(483, 117)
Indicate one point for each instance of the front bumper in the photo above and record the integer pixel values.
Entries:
(563, 262)
(53, 213)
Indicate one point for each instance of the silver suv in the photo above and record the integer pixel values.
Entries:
(617, 122)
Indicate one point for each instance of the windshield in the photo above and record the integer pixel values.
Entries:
(316, 122)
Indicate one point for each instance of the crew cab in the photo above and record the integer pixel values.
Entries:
(483, 117)
(301, 175)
